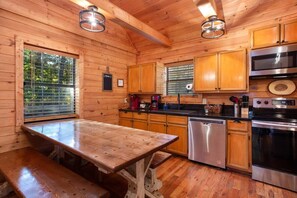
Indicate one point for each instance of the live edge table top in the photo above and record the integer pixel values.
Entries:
(108, 146)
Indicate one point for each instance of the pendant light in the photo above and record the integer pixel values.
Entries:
(91, 20)
(213, 28)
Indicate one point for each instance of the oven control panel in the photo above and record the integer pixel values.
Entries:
(271, 103)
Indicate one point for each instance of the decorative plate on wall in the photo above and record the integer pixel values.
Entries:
(282, 87)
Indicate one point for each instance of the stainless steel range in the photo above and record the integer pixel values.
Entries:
(274, 141)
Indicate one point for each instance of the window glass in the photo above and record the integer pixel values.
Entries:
(178, 77)
(49, 84)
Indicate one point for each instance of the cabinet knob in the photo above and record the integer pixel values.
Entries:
(277, 42)
(283, 41)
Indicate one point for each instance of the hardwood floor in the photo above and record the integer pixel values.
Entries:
(183, 178)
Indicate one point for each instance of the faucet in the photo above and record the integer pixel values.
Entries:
(178, 101)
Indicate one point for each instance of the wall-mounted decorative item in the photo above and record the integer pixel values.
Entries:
(107, 82)
(282, 87)
(120, 82)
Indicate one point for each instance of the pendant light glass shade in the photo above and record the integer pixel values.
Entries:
(213, 28)
(91, 20)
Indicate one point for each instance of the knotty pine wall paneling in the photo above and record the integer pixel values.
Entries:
(54, 23)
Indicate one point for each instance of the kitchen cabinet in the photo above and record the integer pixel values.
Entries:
(146, 78)
(273, 35)
(232, 71)
(161, 123)
(221, 72)
(136, 120)
(126, 119)
(140, 120)
(178, 125)
(157, 123)
(173, 125)
(239, 145)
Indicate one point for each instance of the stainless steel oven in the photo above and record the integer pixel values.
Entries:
(279, 60)
(274, 142)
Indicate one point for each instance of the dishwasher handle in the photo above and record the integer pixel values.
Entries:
(207, 121)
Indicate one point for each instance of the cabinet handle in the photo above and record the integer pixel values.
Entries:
(236, 121)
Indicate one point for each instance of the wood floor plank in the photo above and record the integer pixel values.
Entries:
(184, 178)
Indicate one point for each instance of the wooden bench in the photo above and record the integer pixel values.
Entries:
(152, 184)
(32, 174)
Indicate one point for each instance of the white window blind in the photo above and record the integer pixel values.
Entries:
(178, 76)
(49, 84)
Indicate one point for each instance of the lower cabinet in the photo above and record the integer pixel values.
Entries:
(126, 122)
(161, 123)
(134, 120)
(181, 145)
(239, 145)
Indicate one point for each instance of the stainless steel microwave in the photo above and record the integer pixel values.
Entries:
(279, 60)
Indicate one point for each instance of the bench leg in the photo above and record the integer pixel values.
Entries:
(5, 189)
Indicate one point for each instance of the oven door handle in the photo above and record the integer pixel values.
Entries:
(274, 125)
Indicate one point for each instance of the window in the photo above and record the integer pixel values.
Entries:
(178, 76)
(49, 83)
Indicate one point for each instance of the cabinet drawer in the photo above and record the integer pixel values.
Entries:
(157, 118)
(237, 125)
(177, 119)
(140, 116)
(125, 114)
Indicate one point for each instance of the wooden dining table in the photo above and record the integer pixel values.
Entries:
(112, 148)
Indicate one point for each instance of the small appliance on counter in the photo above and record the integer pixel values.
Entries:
(134, 102)
(156, 99)
(144, 106)
(245, 106)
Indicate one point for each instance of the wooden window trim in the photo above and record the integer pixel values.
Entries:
(20, 45)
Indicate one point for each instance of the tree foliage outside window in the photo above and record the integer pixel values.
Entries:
(178, 77)
(49, 84)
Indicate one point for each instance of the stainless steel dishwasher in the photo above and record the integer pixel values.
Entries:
(207, 141)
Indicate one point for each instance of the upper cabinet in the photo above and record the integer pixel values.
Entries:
(274, 35)
(205, 73)
(146, 78)
(224, 71)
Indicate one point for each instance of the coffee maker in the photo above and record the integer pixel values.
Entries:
(134, 102)
(156, 99)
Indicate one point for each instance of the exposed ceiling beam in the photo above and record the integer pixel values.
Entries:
(121, 17)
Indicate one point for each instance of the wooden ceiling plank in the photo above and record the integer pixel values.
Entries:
(117, 15)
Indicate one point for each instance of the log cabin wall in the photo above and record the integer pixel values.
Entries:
(181, 21)
(53, 23)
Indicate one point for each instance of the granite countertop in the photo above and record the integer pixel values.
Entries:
(193, 113)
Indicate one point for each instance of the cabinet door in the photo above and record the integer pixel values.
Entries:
(264, 37)
(205, 73)
(148, 78)
(133, 79)
(139, 124)
(238, 150)
(233, 71)
(157, 127)
(289, 34)
(125, 122)
(181, 145)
